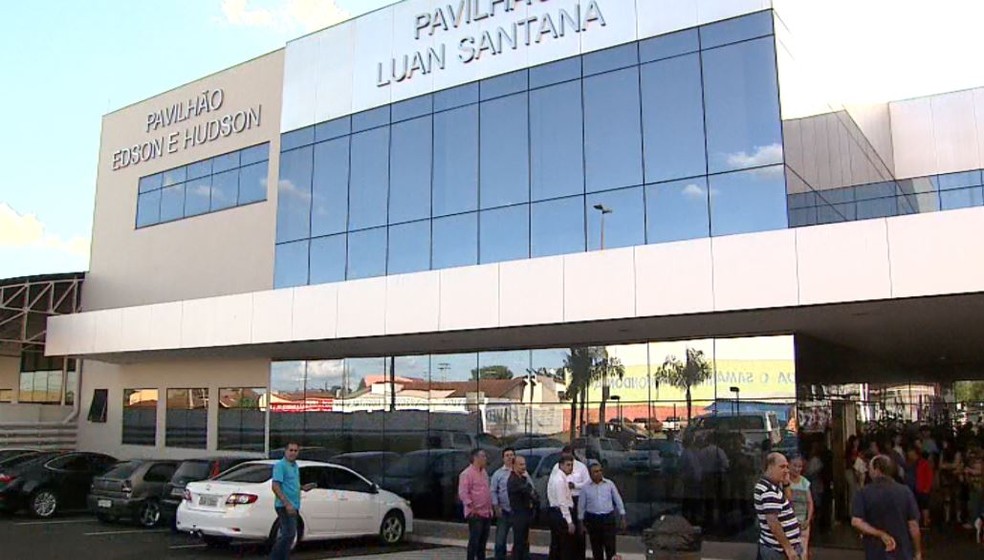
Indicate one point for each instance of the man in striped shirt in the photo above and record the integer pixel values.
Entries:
(779, 530)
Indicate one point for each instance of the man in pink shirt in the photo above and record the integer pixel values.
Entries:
(475, 494)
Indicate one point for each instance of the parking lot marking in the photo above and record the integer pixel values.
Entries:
(58, 522)
(129, 532)
(179, 546)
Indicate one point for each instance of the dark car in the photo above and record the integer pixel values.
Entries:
(11, 452)
(370, 464)
(192, 470)
(50, 482)
(429, 479)
(131, 490)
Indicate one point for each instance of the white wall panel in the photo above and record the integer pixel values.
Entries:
(715, 10)
(166, 318)
(674, 278)
(955, 132)
(620, 26)
(413, 302)
(314, 315)
(198, 323)
(272, 318)
(755, 271)
(333, 68)
(531, 292)
(109, 328)
(373, 45)
(508, 59)
(599, 285)
(301, 70)
(936, 253)
(550, 49)
(137, 328)
(233, 319)
(470, 298)
(362, 308)
(406, 45)
(844, 262)
(912, 138)
(656, 17)
(979, 120)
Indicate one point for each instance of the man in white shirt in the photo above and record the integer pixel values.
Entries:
(561, 514)
(577, 479)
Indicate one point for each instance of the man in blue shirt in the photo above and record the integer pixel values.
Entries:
(601, 512)
(500, 502)
(287, 491)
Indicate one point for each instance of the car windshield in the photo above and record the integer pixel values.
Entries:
(409, 465)
(252, 473)
(192, 470)
(122, 470)
(16, 460)
(728, 423)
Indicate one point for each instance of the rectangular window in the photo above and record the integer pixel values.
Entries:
(748, 201)
(149, 208)
(186, 424)
(253, 183)
(291, 264)
(172, 203)
(241, 418)
(366, 253)
(410, 181)
(294, 194)
(71, 384)
(677, 211)
(455, 241)
(409, 248)
(329, 211)
(556, 141)
(624, 222)
(612, 130)
(225, 190)
(673, 119)
(456, 161)
(505, 234)
(198, 195)
(505, 151)
(327, 259)
(369, 183)
(557, 227)
(97, 408)
(140, 417)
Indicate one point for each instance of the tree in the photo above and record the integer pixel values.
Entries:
(585, 366)
(684, 375)
(969, 391)
(492, 372)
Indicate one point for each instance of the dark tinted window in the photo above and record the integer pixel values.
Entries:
(123, 470)
(192, 470)
(97, 408)
(247, 473)
(344, 480)
(160, 473)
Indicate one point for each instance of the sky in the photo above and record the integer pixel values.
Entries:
(66, 63)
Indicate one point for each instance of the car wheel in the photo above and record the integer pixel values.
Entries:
(393, 528)
(43, 503)
(275, 532)
(215, 542)
(149, 514)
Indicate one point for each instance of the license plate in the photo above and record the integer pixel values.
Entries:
(210, 501)
(105, 503)
(177, 492)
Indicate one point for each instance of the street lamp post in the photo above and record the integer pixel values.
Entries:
(737, 401)
(604, 210)
(618, 408)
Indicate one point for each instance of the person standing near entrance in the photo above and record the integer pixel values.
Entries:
(802, 499)
(601, 513)
(779, 530)
(500, 502)
(522, 500)
(287, 500)
(886, 515)
(561, 514)
(577, 479)
(475, 494)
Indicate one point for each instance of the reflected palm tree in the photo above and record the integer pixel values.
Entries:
(684, 375)
(584, 366)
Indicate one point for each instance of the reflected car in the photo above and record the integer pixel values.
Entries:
(429, 479)
(192, 470)
(131, 490)
(656, 455)
(370, 464)
(48, 483)
(756, 427)
(609, 452)
(535, 441)
(11, 452)
(239, 505)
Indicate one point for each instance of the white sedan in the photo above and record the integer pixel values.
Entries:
(238, 505)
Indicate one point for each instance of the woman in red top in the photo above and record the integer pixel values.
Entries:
(924, 485)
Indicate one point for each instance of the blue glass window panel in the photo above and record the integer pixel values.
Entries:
(370, 179)
(149, 208)
(296, 138)
(504, 234)
(456, 161)
(198, 195)
(677, 211)
(612, 130)
(556, 141)
(410, 180)
(254, 154)
(625, 226)
(333, 129)
(172, 203)
(327, 259)
(919, 185)
(845, 212)
(329, 212)
(737, 29)
(922, 203)
(742, 106)
(225, 162)
(175, 176)
(150, 182)
(673, 119)
(367, 253)
(409, 248)
(456, 97)
(372, 118)
(506, 84)
(225, 189)
(557, 227)
(748, 201)
(874, 190)
(800, 217)
(877, 208)
(253, 182)
(614, 58)
(291, 265)
(294, 194)
(413, 108)
(505, 152)
(556, 72)
(199, 169)
(959, 180)
(455, 241)
(666, 46)
(837, 196)
(952, 199)
(801, 200)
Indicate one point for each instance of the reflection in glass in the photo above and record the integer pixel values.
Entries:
(327, 259)
(505, 153)
(172, 203)
(409, 248)
(198, 194)
(186, 423)
(456, 161)
(748, 201)
(150, 182)
(140, 417)
(329, 213)
(242, 418)
(455, 241)
(286, 402)
(666, 46)
(369, 181)
(148, 208)
(625, 226)
(225, 162)
(673, 119)
(253, 183)
(366, 253)
(294, 195)
(557, 227)
(612, 130)
(410, 180)
(291, 265)
(677, 211)
(736, 29)
(505, 234)
(613, 58)
(961, 198)
(200, 169)
(252, 155)
(556, 141)
(225, 190)
(174, 176)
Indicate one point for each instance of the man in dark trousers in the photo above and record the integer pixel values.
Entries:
(601, 513)
(561, 516)
(887, 516)
(522, 503)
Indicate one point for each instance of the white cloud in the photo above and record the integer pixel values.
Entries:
(764, 155)
(307, 15)
(693, 190)
(26, 231)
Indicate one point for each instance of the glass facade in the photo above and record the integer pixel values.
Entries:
(140, 416)
(679, 135)
(186, 423)
(226, 181)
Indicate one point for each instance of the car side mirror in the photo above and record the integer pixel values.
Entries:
(375, 488)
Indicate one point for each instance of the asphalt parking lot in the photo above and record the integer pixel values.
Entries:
(81, 536)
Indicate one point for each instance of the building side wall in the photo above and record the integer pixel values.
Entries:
(938, 134)
(229, 251)
(107, 437)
